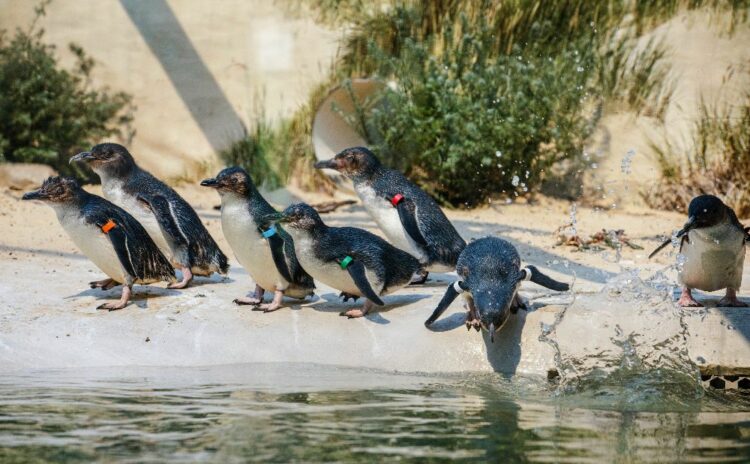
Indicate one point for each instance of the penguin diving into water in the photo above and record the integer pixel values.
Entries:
(490, 273)
(266, 251)
(170, 221)
(354, 261)
(712, 249)
(110, 237)
(407, 215)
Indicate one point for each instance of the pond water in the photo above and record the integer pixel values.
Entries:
(288, 412)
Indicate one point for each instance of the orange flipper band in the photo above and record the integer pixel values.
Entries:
(109, 225)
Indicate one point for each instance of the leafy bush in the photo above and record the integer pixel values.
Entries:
(47, 113)
(467, 123)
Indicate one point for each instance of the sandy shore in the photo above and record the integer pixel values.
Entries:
(47, 315)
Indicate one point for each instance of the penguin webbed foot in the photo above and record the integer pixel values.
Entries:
(104, 284)
(355, 313)
(121, 303)
(348, 296)
(278, 295)
(686, 299)
(187, 277)
(473, 323)
(730, 300)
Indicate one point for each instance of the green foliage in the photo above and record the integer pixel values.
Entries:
(262, 153)
(47, 113)
(468, 123)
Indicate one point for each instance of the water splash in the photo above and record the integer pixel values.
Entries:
(628, 333)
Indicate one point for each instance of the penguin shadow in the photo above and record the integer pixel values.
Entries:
(504, 353)
(139, 297)
(210, 280)
(451, 322)
(332, 303)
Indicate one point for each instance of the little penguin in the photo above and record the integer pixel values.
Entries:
(354, 261)
(407, 215)
(170, 221)
(266, 251)
(712, 251)
(490, 274)
(110, 237)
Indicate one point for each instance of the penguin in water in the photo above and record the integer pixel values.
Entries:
(170, 221)
(407, 215)
(267, 252)
(490, 273)
(712, 245)
(354, 261)
(110, 237)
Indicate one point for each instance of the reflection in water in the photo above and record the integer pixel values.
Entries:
(314, 413)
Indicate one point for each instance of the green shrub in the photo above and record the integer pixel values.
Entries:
(47, 113)
(468, 123)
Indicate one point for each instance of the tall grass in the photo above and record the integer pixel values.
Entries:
(524, 78)
(717, 161)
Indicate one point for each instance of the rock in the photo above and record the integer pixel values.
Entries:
(23, 176)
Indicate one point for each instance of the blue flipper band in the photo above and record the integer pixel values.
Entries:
(270, 232)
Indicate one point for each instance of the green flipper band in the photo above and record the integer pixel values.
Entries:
(345, 262)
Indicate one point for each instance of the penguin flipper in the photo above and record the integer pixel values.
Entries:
(357, 271)
(540, 278)
(137, 253)
(450, 295)
(277, 252)
(407, 213)
(163, 213)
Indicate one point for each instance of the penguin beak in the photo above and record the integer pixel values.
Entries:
(83, 156)
(209, 183)
(275, 218)
(328, 164)
(35, 195)
(690, 224)
(686, 228)
(491, 330)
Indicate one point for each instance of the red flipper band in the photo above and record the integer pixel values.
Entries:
(109, 225)
(397, 198)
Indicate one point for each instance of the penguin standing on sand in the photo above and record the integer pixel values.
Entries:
(266, 251)
(348, 259)
(712, 246)
(107, 235)
(170, 221)
(490, 273)
(407, 215)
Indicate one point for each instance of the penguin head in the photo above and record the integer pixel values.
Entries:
(492, 292)
(298, 216)
(107, 158)
(231, 180)
(352, 162)
(705, 211)
(55, 190)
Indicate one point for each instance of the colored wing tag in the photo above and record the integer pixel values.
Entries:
(346, 262)
(397, 198)
(109, 225)
(270, 232)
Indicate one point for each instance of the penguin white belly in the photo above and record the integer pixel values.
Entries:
(387, 218)
(249, 247)
(330, 274)
(113, 192)
(93, 243)
(713, 258)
